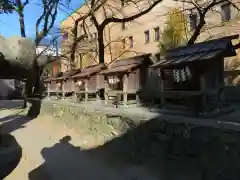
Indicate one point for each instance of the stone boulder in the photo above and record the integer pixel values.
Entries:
(18, 51)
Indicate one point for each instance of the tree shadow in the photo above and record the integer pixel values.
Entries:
(10, 154)
(10, 150)
(153, 150)
(13, 122)
(64, 161)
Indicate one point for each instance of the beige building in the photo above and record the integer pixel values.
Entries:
(143, 34)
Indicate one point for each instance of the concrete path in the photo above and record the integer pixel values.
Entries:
(47, 158)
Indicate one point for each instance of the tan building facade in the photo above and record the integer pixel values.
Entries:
(143, 34)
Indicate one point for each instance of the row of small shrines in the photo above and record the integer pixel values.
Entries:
(192, 75)
(121, 79)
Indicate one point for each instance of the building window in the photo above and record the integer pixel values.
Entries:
(157, 33)
(95, 35)
(123, 25)
(65, 36)
(226, 12)
(130, 42)
(122, 3)
(123, 44)
(193, 21)
(81, 27)
(90, 37)
(147, 36)
(85, 38)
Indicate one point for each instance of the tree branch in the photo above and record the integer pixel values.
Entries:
(49, 14)
(25, 3)
(19, 10)
(202, 11)
(39, 20)
(131, 18)
(95, 21)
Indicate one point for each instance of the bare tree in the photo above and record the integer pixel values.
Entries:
(85, 51)
(112, 14)
(202, 8)
(46, 20)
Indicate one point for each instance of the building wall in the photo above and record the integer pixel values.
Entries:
(115, 35)
(58, 65)
(7, 87)
(46, 50)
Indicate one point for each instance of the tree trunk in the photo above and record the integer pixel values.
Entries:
(21, 17)
(81, 61)
(72, 55)
(22, 24)
(100, 46)
(24, 95)
(197, 31)
(23, 34)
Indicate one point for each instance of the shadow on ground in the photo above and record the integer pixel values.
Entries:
(10, 150)
(10, 155)
(153, 150)
(13, 122)
(34, 109)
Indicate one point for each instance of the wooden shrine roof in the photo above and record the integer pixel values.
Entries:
(88, 71)
(49, 79)
(126, 65)
(63, 75)
(67, 74)
(199, 51)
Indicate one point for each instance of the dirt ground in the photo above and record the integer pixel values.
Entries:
(45, 157)
(63, 149)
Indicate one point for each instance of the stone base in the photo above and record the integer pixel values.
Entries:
(10, 155)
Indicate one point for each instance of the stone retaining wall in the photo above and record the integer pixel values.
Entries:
(88, 121)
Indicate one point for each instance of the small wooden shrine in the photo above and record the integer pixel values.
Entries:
(192, 77)
(125, 78)
(88, 82)
(52, 86)
(61, 84)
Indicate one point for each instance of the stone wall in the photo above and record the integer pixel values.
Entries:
(88, 121)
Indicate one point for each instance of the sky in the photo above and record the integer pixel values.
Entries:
(9, 25)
